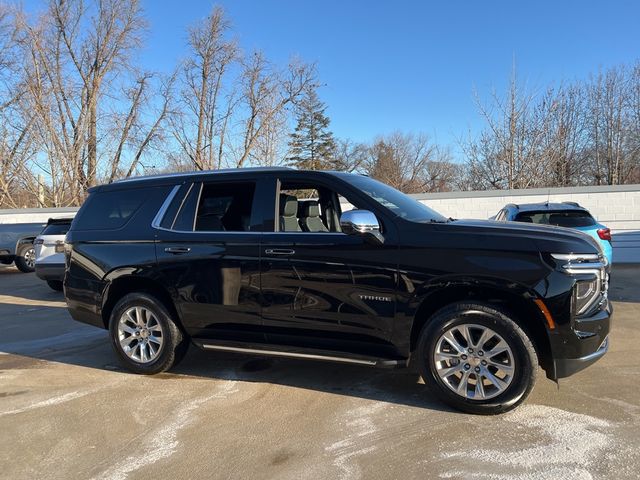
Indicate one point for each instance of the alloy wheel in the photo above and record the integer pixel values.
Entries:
(140, 334)
(474, 361)
(30, 258)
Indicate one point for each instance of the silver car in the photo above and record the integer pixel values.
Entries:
(49, 252)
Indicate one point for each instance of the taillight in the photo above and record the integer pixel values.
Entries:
(59, 248)
(604, 234)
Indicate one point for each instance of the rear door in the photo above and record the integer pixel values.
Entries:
(208, 250)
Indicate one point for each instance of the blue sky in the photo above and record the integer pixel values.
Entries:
(413, 65)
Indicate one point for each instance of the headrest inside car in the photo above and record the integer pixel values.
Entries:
(288, 205)
(311, 208)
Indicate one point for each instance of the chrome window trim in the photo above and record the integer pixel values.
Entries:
(155, 223)
(184, 199)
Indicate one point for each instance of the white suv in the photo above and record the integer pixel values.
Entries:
(49, 246)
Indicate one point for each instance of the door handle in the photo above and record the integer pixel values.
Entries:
(279, 251)
(177, 250)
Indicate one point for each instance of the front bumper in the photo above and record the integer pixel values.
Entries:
(565, 367)
(581, 345)
(50, 271)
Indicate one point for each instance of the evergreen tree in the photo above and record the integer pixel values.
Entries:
(311, 144)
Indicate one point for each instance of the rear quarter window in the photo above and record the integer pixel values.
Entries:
(109, 210)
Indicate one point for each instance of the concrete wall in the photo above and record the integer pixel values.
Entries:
(35, 215)
(617, 207)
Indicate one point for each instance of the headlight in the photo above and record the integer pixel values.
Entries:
(586, 293)
(591, 284)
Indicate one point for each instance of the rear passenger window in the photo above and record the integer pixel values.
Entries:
(216, 207)
(110, 210)
(225, 207)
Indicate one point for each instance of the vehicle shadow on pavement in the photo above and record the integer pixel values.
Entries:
(92, 350)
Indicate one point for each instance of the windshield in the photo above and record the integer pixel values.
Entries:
(399, 203)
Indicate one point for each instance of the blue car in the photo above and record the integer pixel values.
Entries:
(565, 214)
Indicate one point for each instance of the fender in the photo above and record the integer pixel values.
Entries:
(414, 308)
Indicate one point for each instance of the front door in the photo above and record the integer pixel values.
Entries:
(323, 288)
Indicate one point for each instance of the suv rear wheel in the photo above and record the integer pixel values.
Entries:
(26, 258)
(144, 335)
(477, 359)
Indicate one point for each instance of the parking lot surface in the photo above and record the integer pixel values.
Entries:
(68, 410)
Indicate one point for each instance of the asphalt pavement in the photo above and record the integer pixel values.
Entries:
(69, 411)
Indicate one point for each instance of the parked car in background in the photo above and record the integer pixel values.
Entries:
(16, 244)
(227, 260)
(18, 230)
(49, 250)
(565, 214)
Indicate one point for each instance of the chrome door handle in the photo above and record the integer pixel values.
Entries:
(279, 251)
(177, 250)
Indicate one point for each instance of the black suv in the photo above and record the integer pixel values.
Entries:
(335, 266)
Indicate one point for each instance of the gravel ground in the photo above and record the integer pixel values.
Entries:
(67, 410)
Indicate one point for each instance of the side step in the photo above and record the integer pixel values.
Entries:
(293, 352)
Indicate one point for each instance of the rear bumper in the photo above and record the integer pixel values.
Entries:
(50, 271)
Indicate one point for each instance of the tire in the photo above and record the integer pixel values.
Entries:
(55, 285)
(506, 377)
(26, 258)
(160, 332)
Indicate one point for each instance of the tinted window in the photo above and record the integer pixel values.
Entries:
(173, 208)
(187, 210)
(56, 229)
(216, 207)
(225, 207)
(110, 210)
(569, 219)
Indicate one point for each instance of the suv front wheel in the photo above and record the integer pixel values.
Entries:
(144, 335)
(476, 359)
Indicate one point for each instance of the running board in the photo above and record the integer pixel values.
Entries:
(319, 355)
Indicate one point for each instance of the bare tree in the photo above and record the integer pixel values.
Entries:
(411, 163)
(563, 139)
(73, 54)
(508, 153)
(16, 122)
(140, 130)
(350, 156)
(200, 128)
(265, 94)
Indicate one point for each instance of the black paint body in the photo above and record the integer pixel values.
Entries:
(337, 292)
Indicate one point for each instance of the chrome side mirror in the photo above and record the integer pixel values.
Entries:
(363, 223)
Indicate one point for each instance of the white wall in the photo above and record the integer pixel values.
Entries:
(617, 207)
(35, 215)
